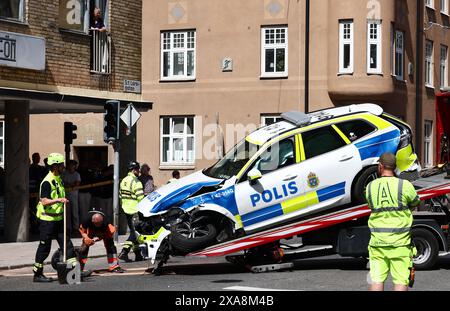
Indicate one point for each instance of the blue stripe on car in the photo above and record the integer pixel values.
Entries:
(262, 214)
(376, 146)
(331, 192)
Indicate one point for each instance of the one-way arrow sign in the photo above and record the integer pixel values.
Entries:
(130, 116)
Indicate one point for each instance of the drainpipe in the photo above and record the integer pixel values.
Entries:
(419, 33)
(307, 26)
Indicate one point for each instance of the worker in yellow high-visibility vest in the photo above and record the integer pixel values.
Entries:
(131, 193)
(391, 200)
(50, 212)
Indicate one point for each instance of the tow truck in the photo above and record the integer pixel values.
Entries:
(343, 232)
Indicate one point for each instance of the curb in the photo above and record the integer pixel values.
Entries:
(12, 267)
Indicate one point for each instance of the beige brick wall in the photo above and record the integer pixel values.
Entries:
(68, 54)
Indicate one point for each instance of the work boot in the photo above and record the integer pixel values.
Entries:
(117, 270)
(86, 273)
(41, 278)
(124, 255)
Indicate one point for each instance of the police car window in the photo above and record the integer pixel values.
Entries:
(355, 129)
(320, 141)
(235, 159)
(276, 156)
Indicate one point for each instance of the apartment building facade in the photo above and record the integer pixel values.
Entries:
(55, 69)
(216, 69)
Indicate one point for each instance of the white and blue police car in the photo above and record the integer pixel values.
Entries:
(293, 169)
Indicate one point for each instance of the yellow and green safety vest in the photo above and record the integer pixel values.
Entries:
(54, 212)
(131, 193)
(391, 200)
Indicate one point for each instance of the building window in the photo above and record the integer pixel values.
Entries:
(12, 9)
(374, 47)
(74, 15)
(270, 119)
(178, 55)
(444, 6)
(429, 63)
(429, 3)
(428, 144)
(444, 66)
(346, 46)
(274, 52)
(177, 140)
(399, 50)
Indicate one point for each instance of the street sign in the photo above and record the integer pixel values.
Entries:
(130, 116)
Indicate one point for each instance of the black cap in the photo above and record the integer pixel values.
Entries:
(133, 165)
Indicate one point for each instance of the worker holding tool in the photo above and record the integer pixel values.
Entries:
(50, 211)
(131, 193)
(391, 200)
(94, 229)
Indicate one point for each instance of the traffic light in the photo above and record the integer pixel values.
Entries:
(111, 118)
(69, 134)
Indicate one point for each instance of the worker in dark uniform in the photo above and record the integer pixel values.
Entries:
(94, 229)
(131, 193)
(50, 212)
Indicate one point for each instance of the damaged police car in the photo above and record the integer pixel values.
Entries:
(301, 166)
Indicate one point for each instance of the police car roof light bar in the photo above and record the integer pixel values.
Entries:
(297, 117)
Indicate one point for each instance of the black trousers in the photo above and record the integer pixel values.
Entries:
(49, 230)
(132, 238)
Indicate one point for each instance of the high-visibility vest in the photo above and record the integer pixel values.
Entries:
(131, 193)
(390, 200)
(54, 212)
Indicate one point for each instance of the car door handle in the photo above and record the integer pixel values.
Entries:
(345, 158)
(290, 177)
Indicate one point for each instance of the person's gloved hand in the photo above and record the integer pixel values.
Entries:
(88, 241)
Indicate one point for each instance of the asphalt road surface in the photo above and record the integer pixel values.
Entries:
(331, 273)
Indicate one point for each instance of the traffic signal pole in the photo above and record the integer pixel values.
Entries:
(116, 147)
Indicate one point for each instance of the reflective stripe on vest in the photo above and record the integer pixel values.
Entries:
(391, 218)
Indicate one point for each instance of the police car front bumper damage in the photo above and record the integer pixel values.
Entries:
(153, 247)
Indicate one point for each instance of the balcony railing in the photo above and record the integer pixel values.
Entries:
(101, 52)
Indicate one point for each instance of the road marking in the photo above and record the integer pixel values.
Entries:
(256, 289)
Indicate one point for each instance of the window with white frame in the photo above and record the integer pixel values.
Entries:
(444, 6)
(429, 63)
(274, 51)
(398, 51)
(270, 119)
(443, 70)
(177, 140)
(12, 9)
(178, 55)
(429, 3)
(374, 47)
(346, 46)
(428, 143)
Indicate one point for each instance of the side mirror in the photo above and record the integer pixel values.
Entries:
(253, 175)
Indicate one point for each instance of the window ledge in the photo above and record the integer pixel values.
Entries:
(375, 74)
(14, 21)
(430, 7)
(345, 73)
(177, 80)
(428, 86)
(176, 166)
(398, 79)
(447, 14)
(268, 77)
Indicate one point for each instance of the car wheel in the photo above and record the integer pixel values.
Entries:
(362, 181)
(187, 237)
(427, 248)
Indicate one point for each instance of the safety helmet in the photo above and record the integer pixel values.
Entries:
(133, 165)
(55, 158)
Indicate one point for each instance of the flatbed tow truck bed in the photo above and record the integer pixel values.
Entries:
(343, 232)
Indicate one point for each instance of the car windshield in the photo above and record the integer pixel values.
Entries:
(233, 162)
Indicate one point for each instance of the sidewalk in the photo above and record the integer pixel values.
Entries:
(19, 255)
